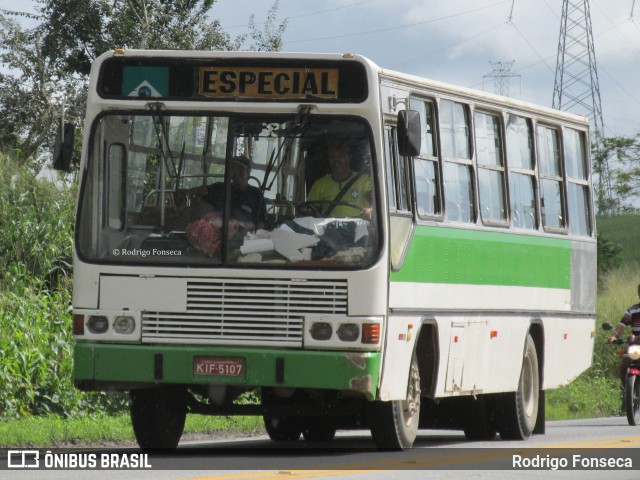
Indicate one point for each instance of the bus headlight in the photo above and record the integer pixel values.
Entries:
(634, 352)
(124, 325)
(321, 331)
(348, 332)
(98, 324)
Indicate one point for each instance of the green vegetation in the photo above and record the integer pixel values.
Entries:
(622, 231)
(53, 430)
(36, 221)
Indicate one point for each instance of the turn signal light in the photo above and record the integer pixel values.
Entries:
(371, 333)
(78, 324)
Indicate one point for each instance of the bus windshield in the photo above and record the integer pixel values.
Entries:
(229, 189)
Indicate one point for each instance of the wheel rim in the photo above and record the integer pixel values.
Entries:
(528, 388)
(411, 406)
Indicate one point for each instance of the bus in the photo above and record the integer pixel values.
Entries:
(448, 283)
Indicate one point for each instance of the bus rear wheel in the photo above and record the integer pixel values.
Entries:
(520, 409)
(394, 424)
(158, 416)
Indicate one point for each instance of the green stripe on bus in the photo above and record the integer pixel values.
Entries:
(465, 256)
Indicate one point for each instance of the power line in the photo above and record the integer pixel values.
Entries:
(406, 25)
(317, 12)
(440, 50)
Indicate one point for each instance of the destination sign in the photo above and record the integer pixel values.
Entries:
(259, 79)
(268, 83)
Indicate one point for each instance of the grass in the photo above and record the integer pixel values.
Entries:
(53, 430)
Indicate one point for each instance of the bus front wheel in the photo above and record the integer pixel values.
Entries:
(158, 416)
(394, 424)
(520, 409)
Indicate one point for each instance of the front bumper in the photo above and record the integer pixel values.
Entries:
(99, 366)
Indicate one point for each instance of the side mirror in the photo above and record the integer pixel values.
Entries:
(63, 150)
(409, 133)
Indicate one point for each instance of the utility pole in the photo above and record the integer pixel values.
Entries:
(501, 74)
(576, 87)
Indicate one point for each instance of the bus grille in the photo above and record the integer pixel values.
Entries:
(248, 312)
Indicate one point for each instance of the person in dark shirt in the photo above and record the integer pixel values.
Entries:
(247, 202)
(631, 318)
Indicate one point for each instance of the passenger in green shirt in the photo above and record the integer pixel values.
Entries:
(326, 189)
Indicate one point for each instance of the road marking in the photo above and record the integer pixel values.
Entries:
(488, 454)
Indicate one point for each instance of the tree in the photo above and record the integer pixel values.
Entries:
(30, 95)
(48, 64)
(77, 31)
(624, 158)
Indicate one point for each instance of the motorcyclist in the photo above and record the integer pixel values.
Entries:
(631, 318)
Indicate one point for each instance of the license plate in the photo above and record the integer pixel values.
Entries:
(219, 367)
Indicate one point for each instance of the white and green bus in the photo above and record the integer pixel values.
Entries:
(461, 291)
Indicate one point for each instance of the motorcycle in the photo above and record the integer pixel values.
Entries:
(632, 376)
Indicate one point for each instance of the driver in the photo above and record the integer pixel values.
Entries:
(247, 202)
(342, 187)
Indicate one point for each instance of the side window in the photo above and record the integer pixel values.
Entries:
(550, 172)
(426, 166)
(454, 130)
(457, 167)
(577, 182)
(397, 174)
(489, 157)
(522, 186)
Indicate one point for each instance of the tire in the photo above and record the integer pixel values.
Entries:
(158, 416)
(394, 424)
(282, 428)
(317, 429)
(520, 409)
(632, 399)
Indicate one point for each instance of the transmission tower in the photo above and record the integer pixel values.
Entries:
(576, 87)
(501, 75)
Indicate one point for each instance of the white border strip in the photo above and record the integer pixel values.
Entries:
(435, 296)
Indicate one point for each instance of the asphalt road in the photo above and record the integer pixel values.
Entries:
(608, 448)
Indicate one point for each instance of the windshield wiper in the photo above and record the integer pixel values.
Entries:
(157, 115)
(299, 122)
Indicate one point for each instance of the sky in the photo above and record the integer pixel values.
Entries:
(460, 41)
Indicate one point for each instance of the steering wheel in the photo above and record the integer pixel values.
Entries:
(313, 205)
